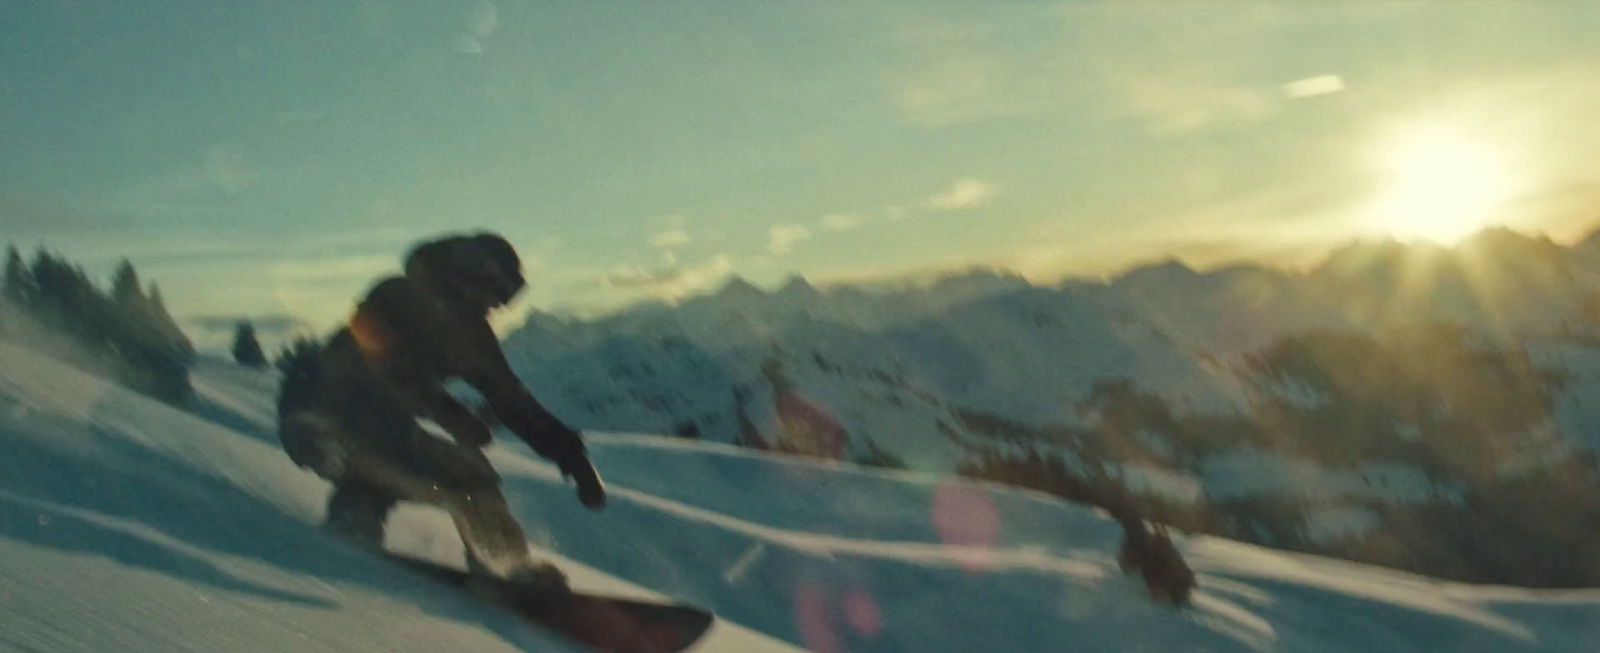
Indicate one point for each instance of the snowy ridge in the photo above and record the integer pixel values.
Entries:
(1165, 378)
(132, 526)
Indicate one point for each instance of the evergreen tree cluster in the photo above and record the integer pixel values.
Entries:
(128, 332)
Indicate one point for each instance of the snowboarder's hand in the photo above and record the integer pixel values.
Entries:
(591, 490)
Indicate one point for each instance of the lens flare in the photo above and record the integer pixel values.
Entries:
(965, 517)
(861, 611)
(811, 616)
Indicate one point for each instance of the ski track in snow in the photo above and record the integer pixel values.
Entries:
(127, 525)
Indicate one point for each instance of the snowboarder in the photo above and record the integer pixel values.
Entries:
(1166, 575)
(349, 410)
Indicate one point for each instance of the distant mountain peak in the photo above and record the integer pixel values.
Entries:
(1164, 270)
(1505, 240)
(797, 285)
(1363, 256)
(1592, 240)
(980, 277)
(738, 286)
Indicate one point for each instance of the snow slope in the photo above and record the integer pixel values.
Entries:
(126, 525)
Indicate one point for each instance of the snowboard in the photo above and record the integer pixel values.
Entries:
(605, 623)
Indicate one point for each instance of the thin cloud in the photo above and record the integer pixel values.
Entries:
(840, 221)
(1311, 87)
(322, 291)
(377, 19)
(275, 323)
(1286, 221)
(672, 282)
(669, 222)
(958, 91)
(480, 26)
(1182, 102)
(485, 20)
(964, 194)
(340, 268)
(633, 276)
(693, 279)
(469, 44)
(228, 168)
(782, 238)
(974, 90)
(216, 180)
(965, 71)
(223, 169)
(668, 239)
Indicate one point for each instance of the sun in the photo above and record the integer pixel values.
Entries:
(1443, 185)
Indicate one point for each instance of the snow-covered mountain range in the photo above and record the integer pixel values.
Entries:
(129, 525)
(1362, 408)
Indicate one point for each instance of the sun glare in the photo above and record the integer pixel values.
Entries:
(1443, 186)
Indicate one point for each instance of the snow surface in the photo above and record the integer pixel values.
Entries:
(127, 525)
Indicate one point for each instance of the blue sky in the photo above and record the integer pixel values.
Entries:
(274, 158)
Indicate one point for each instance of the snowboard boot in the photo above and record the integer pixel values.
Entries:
(534, 578)
(357, 513)
(497, 550)
(540, 578)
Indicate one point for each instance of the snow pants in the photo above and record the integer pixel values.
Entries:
(371, 472)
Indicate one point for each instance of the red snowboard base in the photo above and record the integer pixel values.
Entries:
(604, 623)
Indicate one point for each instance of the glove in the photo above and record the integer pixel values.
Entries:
(591, 490)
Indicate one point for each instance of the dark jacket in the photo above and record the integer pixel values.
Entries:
(389, 366)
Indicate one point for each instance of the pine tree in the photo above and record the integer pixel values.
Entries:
(47, 283)
(246, 349)
(125, 334)
(20, 288)
(66, 298)
(168, 326)
(125, 289)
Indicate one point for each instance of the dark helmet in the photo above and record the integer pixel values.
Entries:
(481, 270)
